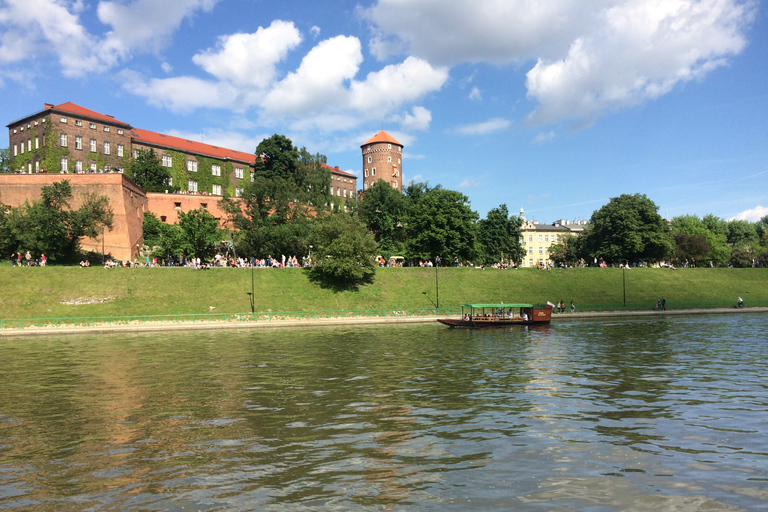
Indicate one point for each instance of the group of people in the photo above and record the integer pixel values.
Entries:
(17, 260)
(560, 306)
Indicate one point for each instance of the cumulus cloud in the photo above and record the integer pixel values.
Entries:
(34, 28)
(496, 124)
(249, 60)
(753, 215)
(588, 61)
(418, 120)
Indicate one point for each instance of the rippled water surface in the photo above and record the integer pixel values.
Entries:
(667, 413)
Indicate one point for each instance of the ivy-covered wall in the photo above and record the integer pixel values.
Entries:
(204, 175)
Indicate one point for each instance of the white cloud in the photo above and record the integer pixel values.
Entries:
(589, 61)
(496, 124)
(166, 67)
(315, 31)
(753, 215)
(419, 120)
(250, 60)
(475, 94)
(30, 29)
(544, 137)
(469, 184)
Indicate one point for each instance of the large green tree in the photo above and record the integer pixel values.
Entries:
(690, 248)
(276, 157)
(201, 230)
(5, 160)
(148, 173)
(499, 236)
(343, 249)
(443, 224)
(629, 228)
(384, 211)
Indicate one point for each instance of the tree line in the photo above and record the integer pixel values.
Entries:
(287, 209)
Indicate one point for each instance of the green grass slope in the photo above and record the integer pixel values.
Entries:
(40, 292)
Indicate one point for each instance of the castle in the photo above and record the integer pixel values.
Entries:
(91, 150)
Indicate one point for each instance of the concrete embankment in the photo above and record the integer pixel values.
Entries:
(329, 322)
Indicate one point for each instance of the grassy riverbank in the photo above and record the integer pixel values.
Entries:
(41, 292)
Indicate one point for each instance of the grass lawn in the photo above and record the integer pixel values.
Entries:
(39, 292)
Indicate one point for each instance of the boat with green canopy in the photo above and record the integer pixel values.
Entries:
(499, 315)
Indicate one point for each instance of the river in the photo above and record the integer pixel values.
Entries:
(628, 414)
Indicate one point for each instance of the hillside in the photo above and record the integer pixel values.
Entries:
(40, 292)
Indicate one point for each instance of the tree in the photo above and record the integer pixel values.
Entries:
(629, 228)
(742, 234)
(499, 235)
(5, 160)
(49, 226)
(568, 251)
(384, 213)
(691, 248)
(201, 230)
(276, 157)
(344, 250)
(691, 225)
(148, 173)
(442, 223)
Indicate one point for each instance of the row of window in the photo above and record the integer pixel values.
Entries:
(78, 166)
(92, 126)
(63, 142)
(392, 183)
(555, 238)
(389, 159)
(542, 250)
(339, 190)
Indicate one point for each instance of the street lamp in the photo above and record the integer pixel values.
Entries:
(437, 286)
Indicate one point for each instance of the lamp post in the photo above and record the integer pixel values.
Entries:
(102, 245)
(252, 294)
(624, 284)
(437, 288)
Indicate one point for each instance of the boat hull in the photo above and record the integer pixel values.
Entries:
(539, 316)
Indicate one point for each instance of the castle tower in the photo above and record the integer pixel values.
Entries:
(382, 160)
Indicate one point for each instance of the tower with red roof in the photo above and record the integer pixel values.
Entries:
(382, 160)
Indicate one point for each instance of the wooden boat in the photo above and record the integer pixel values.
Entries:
(499, 315)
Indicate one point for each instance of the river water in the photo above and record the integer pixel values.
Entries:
(629, 414)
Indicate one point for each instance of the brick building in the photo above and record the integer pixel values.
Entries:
(382, 160)
(68, 139)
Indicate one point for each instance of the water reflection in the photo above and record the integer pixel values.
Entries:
(669, 412)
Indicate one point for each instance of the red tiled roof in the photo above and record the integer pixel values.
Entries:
(336, 170)
(382, 136)
(72, 108)
(188, 146)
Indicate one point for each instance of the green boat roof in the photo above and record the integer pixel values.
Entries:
(502, 305)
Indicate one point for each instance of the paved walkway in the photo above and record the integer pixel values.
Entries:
(309, 322)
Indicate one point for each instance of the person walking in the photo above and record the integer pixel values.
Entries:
(28, 257)
(573, 307)
(740, 302)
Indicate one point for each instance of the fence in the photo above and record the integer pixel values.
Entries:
(271, 316)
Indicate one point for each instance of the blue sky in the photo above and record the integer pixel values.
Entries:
(547, 105)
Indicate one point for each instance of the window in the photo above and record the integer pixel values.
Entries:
(365, 187)
(119, 150)
(29, 145)
(530, 238)
(389, 159)
(191, 166)
(338, 191)
(530, 250)
(546, 238)
(216, 170)
(63, 140)
(106, 128)
(92, 167)
(398, 161)
(167, 161)
(92, 126)
(530, 262)
(238, 191)
(204, 206)
(541, 250)
(394, 184)
(373, 172)
(37, 142)
(389, 146)
(135, 153)
(79, 166)
(106, 148)
(177, 206)
(64, 164)
(37, 165)
(369, 159)
(63, 120)
(15, 152)
(539, 238)
(216, 189)
(22, 148)
(546, 250)
(93, 145)
(119, 131)
(345, 192)
(192, 186)
(162, 218)
(239, 173)
(366, 173)
(78, 122)
(253, 176)
(78, 142)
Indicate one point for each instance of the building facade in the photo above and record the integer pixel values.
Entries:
(537, 238)
(382, 160)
